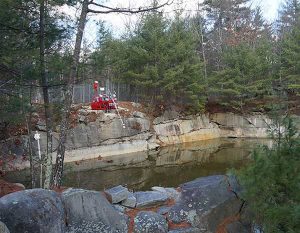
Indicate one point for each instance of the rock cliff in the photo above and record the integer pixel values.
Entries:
(97, 134)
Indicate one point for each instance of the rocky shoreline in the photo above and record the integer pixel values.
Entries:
(209, 204)
(96, 134)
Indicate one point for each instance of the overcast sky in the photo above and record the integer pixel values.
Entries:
(117, 22)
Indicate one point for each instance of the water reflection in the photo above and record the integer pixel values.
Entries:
(167, 167)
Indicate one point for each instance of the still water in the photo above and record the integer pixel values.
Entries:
(168, 167)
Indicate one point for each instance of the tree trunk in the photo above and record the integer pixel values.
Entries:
(59, 165)
(44, 84)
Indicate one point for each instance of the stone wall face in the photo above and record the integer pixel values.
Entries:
(105, 136)
(232, 125)
(188, 129)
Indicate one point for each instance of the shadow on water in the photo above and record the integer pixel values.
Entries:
(168, 167)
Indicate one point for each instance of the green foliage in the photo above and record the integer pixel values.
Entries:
(160, 61)
(247, 74)
(272, 183)
(20, 53)
(290, 60)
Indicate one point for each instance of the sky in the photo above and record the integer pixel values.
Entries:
(118, 22)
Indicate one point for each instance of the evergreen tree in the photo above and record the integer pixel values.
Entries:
(290, 54)
(271, 183)
(184, 76)
(247, 74)
(161, 62)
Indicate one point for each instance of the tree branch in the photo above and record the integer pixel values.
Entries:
(125, 10)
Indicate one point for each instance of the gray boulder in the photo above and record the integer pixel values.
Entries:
(185, 230)
(117, 194)
(90, 207)
(119, 208)
(163, 210)
(149, 198)
(205, 202)
(91, 227)
(150, 222)
(130, 201)
(35, 210)
(237, 227)
(170, 192)
(3, 228)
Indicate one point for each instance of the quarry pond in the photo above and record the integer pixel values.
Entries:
(167, 167)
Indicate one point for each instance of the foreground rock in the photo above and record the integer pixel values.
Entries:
(117, 194)
(130, 201)
(150, 222)
(186, 230)
(170, 192)
(86, 208)
(3, 228)
(150, 198)
(204, 203)
(236, 227)
(35, 210)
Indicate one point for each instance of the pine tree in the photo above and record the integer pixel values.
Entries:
(184, 76)
(247, 74)
(290, 57)
(161, 62)
(271, 183)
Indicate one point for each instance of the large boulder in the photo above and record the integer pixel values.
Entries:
(3, 228)
(150, 222)
(89, 207)
(185, 230)
(117, 194)
(205, 202)
(170, 192)
(130, 201)
(237, 227)
(149, 198)
(90, 227)
(35, 210)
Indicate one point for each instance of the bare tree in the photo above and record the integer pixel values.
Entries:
(86, 8)
(44, 84)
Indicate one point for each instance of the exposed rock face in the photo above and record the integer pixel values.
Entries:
(150, 222)
(90, 207)
(188, 129)
(204, 203)
(35, 210)
(104, 135)
(232, 125)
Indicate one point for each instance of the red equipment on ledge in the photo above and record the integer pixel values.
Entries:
(102, 102)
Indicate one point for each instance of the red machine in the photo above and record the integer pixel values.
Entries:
(102, 101)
